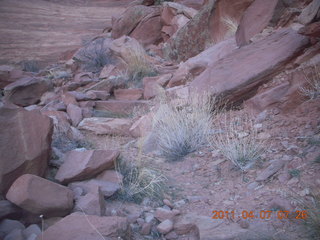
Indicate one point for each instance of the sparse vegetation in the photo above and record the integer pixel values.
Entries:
(294, 172)
(237, 141)
(312, 90)
(183, 129)
(139, 181)
(30, 66)
(138, 67)
(94, 55)
(231, 24)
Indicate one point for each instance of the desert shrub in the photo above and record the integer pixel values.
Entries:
(138, 67)
(312, 211)
(183, 129)
(94, 55)
(312, 90)
(237, 141)
(139, 181)
(30, 66)
(231, 24)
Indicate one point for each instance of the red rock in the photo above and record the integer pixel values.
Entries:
(8, 209)
(98, 95)
(67, 98)
(75, 226)
(25, 142)
(83, 77)
(128, 94)
(196, 4)
(105, 187)
(126, 23)
(75, 114)
(311, 30)
(125, 107)
(148, 31)
(146, 229)
(26, 91)
(194, 66)
(110, 126)
(83, 164)
(110, 176)
(274, 167)
(187, 42)
(7, 226)
(153, 85)
(165, 227)
(227, 10)
(92, 203)
(258, 60)
(5, 71)
(61, 120)
(309, 13)
(255, 19)
(107, 71)
(142, 127)
(40, 196)
(163, 214)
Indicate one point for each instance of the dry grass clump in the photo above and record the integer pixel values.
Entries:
(237, 141)
(312, 208)
(312, 90)
(138, 66)
(183, 129)
(94, 55)
(231, 24)
(140, 181)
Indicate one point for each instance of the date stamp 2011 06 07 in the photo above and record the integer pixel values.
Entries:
(263, 214)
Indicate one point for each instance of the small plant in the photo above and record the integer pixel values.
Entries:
(237, 141)
(30, 66)
(312, 208)
(183, 129)
(294, 173)
(138, 66)
(317, 160)
(312, 90)
(231, 24)
(94, 55)
(139, 181)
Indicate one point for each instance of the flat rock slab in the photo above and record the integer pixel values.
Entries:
(76, 226)
(238, 75)
(123, 107)
(82, 164)
(40, 196)
(108, 126)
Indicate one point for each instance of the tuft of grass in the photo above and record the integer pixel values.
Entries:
(138, 67)
(140, 181)
(312, 90)
(231, 24)
(94, 55)
(312, 208)
(183, 129)
(237, 141)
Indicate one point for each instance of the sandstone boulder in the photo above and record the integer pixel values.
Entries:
(25, 140)
(82, 164)
(107, 126)
(40, 196)
(75, 226)
(122, 107)
(92, 203)
(26, 91)
(310, 12)
(128, 94)
(75, 114)
(259, 62)
(258, 15)
(194, 66)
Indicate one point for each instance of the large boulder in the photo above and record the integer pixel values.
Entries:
(40, 196)
(26, 91)
(76, 226)
(82, 164)
(208, 26)
(259, 15)
(238, 75)
(194, 66)
(25, 139)
(140, 22)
